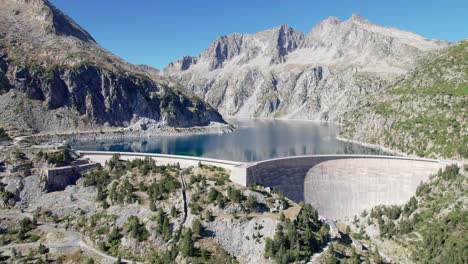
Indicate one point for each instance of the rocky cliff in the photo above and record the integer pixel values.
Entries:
(422, 113)
(55, 77)
(285, 73)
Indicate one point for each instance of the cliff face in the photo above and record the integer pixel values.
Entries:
(423, 113)
(50, 66)
(284, 73)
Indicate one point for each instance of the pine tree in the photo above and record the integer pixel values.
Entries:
(282, 217)
(153, 206)
(165, 228)
(186, 247)
(42, 249)
(173, 211)
(269, 248)
(100, 194)
(196, 227)
(348, 230)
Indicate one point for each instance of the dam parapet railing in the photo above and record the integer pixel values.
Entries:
(237, 169)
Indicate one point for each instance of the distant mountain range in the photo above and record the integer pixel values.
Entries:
(285, 73)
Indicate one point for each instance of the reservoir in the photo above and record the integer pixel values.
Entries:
(253, 140)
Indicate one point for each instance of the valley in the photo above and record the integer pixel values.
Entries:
(345, 144)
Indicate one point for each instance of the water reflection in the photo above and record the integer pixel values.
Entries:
(254, 140)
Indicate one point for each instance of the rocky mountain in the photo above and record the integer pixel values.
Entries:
(285, 73)
(55, 77)
(423, 113)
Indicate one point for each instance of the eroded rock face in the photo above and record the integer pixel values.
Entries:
(284, 73)
(47, 57)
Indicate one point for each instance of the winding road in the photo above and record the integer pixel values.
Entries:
(72, 240)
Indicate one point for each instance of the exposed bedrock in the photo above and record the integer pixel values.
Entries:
(343, 186)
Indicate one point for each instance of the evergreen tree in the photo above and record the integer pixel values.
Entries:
(100, 194)
(196, 227)
(42, 249)
(173, 211)
(186, 247)
(269, 248)
(165, 228)
(348, 230)
(282, 217)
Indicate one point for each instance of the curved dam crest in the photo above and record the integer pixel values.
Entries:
(339, 186)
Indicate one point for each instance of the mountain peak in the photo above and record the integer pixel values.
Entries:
(333, 20)
(358, 18)
(39, 14)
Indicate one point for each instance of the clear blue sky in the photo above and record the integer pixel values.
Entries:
(156, 32)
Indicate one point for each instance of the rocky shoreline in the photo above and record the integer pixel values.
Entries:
(123, 134)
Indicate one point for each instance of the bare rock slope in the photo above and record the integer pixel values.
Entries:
(284, 73)
(55, 77)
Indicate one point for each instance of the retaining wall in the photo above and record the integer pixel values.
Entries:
(57, 179)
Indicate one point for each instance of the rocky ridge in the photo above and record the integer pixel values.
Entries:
(55, 77)
(285, 73)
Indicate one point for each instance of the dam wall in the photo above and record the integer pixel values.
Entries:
(237, 169)
(341, 186)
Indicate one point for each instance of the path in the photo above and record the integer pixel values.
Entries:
(184, 195)
(72, 239)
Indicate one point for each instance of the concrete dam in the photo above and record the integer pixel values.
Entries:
(339, 186)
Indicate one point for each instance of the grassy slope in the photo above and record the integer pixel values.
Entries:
(423, 114)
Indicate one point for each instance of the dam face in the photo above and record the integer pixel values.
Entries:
(343, 186)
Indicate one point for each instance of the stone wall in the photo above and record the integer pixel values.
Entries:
(57, 179)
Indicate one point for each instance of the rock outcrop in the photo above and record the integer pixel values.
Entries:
(56, 68)
(284, 73)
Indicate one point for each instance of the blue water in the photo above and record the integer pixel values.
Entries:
(254, 140)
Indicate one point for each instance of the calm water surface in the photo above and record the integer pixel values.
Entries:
(254, 140)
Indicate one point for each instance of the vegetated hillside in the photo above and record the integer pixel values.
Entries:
(55, 77)
(430, 228)
(425, 113)
(285, 73)
(139, 210)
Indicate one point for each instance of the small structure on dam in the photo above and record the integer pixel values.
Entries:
(339, 186)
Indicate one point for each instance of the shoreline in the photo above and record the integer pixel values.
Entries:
(378, 147)
(125, 134)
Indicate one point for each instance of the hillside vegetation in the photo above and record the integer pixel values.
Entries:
(430, 228)
(422, 114)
